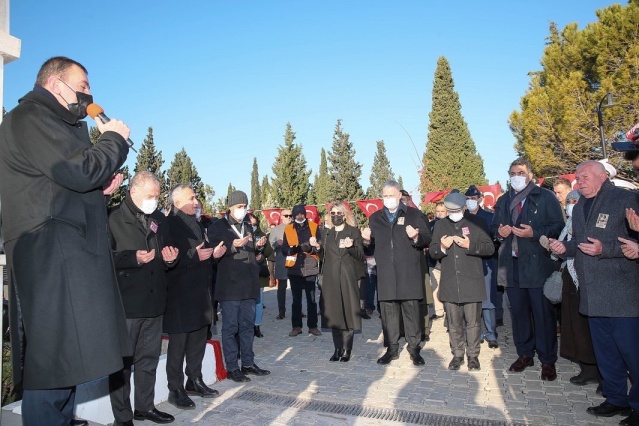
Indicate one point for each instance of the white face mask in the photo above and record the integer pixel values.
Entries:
(300, 221)
(239, 214)
(518, 182)
(569, 208)
(472, 205)
(198, 213)
(391, 203)
(456, 217)
(149, 205)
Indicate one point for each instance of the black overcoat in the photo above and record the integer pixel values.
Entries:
(143, 287)
(462, 279)
(63, 294)
(188, 305)
(400, 275)
(237, 272)
(340, 291)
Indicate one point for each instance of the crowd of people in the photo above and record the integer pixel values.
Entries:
(109, 285)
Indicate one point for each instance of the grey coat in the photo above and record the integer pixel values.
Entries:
(543, 213)
(462, 278)
(608, 283)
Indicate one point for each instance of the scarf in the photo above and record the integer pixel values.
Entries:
(515, 200)
(566, 235)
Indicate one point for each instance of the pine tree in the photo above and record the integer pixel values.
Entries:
(381, 172)
(256, 191)
(183, 171)
(118, 195)
(557, 127)
(290, 183)
(344, 172)
(150, 160)
(451, 159)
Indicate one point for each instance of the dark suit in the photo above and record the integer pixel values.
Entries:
(189, 310)
(143, 289)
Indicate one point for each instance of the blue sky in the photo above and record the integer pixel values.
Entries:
(222, 78)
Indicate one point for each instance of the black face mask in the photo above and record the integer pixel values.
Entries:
(337, 220)
(79, 109)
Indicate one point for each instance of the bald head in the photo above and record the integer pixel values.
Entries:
(590, 176)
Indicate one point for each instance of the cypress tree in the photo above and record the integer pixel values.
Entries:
(150, 160)
(450, 159)
(256, 191)
(381, 172)
(183, 171)
(344, 172)
(290, 183)
(321, 183)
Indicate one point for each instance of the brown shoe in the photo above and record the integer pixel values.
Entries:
(315, 331)
(521, 364)
(295, 332)
(548, 372)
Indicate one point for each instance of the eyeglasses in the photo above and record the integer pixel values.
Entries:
(287, 215)
(337, 214)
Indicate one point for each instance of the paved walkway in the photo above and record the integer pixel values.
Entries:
(301, 373)
(304, 388)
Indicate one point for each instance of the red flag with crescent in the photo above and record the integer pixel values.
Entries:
(273, 216)
(490, 194)
(370, 206)
(435, 196)
(312, 214)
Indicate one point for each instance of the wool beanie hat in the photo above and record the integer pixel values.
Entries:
(237, 197)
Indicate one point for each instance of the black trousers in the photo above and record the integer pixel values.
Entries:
(301, 285)
(146, 339)
(343, 339)
(185, 345)
(408, 310)
(281, 294)
(48, 407)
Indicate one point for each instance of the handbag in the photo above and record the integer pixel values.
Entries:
(553, 285)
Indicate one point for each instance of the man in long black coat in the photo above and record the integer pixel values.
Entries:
(64, 297)
(189, 309)
(398, 234)
(142, 253)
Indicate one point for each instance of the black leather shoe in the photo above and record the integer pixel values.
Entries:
(255, 370)
(257, 332)
(127, 423)
(500, 323)
(237, 376)
(180, 399)
(425, 338)
(81, 422)
(337, 355)
(154, 415)
(581, 380)
(416, 357)
(521, 364)
(346, 356)
(473, 363)
(548, 372)
(632, 420)
(388, 357)
(198, 387)
(363, 314)
(456, 363)
(606, 409)
(492, 344)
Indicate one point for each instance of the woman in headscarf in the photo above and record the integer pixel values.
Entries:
(339, 301)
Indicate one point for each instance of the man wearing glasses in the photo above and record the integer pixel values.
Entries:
(522, 216)
(276, 238)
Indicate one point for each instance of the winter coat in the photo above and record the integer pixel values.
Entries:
(237, 271)
(64, 295)
(276, 239)
(400, 274)
(543, 213)
(340, 291)
(143, 287)
(307, 261)
(608, 283)
(462, 278)
(188, 304)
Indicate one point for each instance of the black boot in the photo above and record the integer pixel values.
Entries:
(346, 355)
(337, 355)
(282, 314)
(257, 332)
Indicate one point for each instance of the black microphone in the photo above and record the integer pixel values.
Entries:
(95, 110)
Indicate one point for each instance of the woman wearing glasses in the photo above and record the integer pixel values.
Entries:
(339, 301)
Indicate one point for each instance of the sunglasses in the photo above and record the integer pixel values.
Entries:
(287, 215)
(337, 214)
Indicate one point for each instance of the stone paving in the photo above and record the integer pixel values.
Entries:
(300, 369)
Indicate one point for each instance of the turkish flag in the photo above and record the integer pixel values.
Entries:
(434, 197)
(370, 206)
(490, 194)
(312, 214)
(273, 216)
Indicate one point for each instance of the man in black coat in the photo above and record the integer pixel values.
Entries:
(238, 286)
(522, 216)
(189, 310)
(397, 235)
(63, 291)
(142, 253)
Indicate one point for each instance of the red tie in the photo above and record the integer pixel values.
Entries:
(519, 207)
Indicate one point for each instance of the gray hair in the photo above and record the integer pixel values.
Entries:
(143, 177)
(176, 190)
(393, 184)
